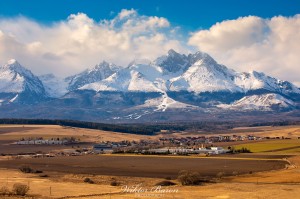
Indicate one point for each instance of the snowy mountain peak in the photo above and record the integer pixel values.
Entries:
(11, 61)
(173, 53)
(14, 66)
(197, 72)
(14, 78)
(126, 80)
(173, 62)
(105, 65)
(139, 62)
(97, 73)
(204, 57)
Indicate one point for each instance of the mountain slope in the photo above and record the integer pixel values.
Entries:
(255, 80)
(54, 86)
(98, 73)
(123, 81)
(196, 73)
(264, 102)
(21, 83)
(172, 87)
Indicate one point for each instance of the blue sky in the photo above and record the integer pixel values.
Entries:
(191, 14)
(66, 36)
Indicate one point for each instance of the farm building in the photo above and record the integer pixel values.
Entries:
(102, 148)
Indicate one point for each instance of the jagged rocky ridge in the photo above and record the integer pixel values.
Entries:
(176, 83)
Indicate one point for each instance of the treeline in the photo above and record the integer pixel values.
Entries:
(276, 123)
(148, 128)
(81, 124)
(143, 129)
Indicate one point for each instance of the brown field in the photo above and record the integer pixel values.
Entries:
(13, 133)
(269, 131)
(292, 131)
(270, 178)
(269, 184)
(145, 166)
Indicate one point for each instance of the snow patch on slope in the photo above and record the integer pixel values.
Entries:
(14, 98)
(54, 86)
(14, 78)
(124, 80)
(263, 102)
(97, 73)
(163, 103)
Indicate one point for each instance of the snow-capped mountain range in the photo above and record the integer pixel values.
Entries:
(174, 81)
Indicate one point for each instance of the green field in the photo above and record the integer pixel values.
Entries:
(286, 146)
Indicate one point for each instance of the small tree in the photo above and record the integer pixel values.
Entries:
(4, 190)
(88, 180)
(114, 183)
(220, 175)
(165, 183)
(26, 169)
(20, 189)
(189, 178)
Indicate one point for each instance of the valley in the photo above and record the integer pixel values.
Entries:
(272, 165)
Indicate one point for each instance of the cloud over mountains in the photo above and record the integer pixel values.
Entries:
(268, 45)
(68, 46)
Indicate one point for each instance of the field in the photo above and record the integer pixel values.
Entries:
(280, 146)
(272, 184)
(264, 131)
(262, 174)
(145, 166)
(13, 133)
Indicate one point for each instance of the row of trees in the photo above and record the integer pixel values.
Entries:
(145, 128)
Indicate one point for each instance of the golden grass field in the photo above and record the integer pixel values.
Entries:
(278, 146)
(15, 132)
(275, 184)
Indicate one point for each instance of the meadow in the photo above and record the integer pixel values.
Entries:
(286, 146)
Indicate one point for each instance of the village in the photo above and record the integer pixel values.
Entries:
(166, 145)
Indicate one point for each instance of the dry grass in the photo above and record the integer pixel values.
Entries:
(15, 132)
(272, 184)
(272, 145)
(237, 187)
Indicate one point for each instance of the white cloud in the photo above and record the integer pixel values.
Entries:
(69, 46)
(253, 43)
(127, 13)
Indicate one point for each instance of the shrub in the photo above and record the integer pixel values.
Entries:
(26, 169)
(242, 150)
(165, 183)
(20, 189)
(44, 176)
(189, 178)
(4, 191)
(220, 175)
(235, 173)
(114, 183)
(88, 180)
